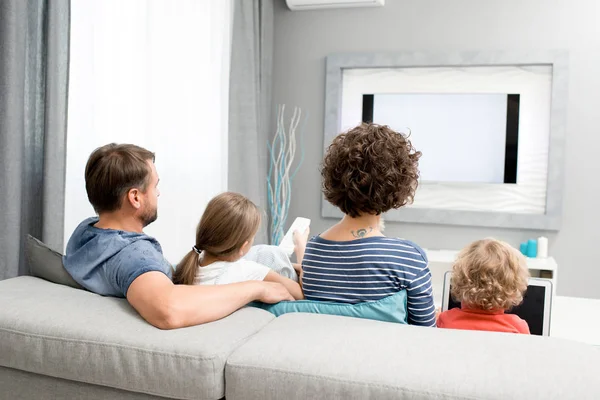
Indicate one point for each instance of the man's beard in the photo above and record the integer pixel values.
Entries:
(149, 217)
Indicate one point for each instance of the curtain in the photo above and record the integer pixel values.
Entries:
(154, 73)
(34, 53)
(250, 102)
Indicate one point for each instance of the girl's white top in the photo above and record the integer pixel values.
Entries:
(225, 272)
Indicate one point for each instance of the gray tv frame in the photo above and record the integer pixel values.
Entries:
(558, 59)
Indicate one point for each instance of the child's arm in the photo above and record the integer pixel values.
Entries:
(297, 268)
(300, 240)
(292, 287)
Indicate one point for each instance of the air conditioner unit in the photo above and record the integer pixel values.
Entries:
(300, 5)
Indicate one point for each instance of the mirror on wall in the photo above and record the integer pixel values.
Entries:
(490, 127)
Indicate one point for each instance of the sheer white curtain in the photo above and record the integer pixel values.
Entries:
(154, 73)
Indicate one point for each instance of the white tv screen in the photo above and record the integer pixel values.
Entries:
(464, 137)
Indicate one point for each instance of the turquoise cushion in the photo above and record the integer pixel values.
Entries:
(388, 309)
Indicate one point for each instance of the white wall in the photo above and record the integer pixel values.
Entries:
(304, 39)
(154, 73)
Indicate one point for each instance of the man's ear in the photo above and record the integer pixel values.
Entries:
(133, 197)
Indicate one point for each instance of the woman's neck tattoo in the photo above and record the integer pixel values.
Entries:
(361, 232)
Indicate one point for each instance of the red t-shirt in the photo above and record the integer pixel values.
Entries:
(481, 320)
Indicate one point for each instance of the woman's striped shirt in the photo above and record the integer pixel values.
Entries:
(369, 269)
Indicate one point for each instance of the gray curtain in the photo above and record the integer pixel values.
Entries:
(34, 53)
(250, 101)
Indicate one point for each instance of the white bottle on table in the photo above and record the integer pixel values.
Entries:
(542, 247)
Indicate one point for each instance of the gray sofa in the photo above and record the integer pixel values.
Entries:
(59, 342)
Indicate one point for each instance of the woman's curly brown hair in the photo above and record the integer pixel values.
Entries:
(489, 275)
(370, 169)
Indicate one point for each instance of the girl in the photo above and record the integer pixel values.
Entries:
(224, 235)
(488, 278)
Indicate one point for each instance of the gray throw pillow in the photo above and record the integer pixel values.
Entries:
(46, 263)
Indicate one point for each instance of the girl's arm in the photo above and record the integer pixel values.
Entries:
(299, 271)
(300, 240)
(292, 287)
(297, 268)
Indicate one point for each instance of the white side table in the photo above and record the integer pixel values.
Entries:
(576, 319)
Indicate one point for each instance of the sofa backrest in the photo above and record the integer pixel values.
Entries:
(312, 356)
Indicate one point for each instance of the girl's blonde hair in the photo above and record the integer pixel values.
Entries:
(229, 220)
(489, 275)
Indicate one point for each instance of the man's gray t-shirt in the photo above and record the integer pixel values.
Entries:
(107, 261)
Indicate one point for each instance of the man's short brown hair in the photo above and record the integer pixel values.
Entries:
(112, 170)
(370, 169)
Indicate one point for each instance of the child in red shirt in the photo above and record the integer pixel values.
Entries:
(488, 278)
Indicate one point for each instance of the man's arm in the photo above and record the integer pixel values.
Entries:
(169, 306)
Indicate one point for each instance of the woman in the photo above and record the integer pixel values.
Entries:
(366, 172)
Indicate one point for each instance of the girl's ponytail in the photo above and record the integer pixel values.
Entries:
(186, 270)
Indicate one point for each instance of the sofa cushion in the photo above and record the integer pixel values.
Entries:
(389, 309)
(46, 263)
(73, 334)
(312, 356)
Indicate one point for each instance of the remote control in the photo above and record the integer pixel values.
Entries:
(287, 244)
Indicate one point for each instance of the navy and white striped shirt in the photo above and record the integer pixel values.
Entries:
(369, 269)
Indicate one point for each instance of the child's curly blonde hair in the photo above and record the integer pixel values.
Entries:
(489, 275)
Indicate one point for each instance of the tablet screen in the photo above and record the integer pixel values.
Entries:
(531, 310)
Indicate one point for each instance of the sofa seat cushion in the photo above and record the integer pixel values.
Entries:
(315, 356)
(67, 333)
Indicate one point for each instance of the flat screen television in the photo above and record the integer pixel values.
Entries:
(464, 137)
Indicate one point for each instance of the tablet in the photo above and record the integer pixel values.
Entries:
(535, 309)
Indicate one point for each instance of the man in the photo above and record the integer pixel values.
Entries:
(110, 255)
